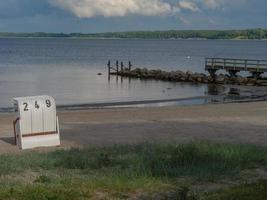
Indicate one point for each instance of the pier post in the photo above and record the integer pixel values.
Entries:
(117, 67)
(122, 66)
(109, 67)
(130, 66)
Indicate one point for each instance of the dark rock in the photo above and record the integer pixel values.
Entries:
(250, 84)
(261, 82)
(220, 79)
(172, 76)
(210, 79)
(189, 73)
(241, 80)
(252, 80)
(183, 79)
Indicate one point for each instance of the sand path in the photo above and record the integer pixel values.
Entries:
(236, 123)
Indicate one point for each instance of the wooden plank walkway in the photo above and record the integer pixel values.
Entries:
(255, 67)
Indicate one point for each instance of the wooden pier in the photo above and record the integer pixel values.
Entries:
(233, 66)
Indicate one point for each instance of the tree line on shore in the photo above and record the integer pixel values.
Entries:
(171, 34)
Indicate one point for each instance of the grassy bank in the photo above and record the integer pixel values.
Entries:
(169, 171)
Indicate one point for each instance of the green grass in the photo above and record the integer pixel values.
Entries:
(154, 160)
(122, 171)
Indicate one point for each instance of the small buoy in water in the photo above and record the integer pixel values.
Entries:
(188, 57)
(99, 74)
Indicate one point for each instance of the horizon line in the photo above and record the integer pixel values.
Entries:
(127, 31)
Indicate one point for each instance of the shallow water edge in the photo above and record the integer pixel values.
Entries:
(217, 94)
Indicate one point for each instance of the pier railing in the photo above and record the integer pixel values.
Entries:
(230, 64)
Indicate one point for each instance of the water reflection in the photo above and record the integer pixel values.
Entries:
(206, 93)
(234, 92)
(229, 93)
(213, 89)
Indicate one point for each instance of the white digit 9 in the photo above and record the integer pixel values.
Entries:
(36, 105)
(48, 103)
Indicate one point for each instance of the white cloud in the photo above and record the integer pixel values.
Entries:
(188, 5)
(215, 4)
(115, 8)
(211, 3)
(121, 8)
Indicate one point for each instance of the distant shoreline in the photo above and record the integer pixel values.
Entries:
(246, 34)
(108, 38)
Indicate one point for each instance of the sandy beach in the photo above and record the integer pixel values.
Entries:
(244, 123)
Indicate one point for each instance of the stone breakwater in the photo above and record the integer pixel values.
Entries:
(180, 76)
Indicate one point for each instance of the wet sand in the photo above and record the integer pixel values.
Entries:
(244, 123)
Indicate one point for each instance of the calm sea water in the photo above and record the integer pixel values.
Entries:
(67, 68)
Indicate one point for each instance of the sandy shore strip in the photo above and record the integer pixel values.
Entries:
(244, 123)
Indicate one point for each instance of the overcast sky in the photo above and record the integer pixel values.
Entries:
(125, 15)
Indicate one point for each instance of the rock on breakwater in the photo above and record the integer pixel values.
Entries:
(180, 76)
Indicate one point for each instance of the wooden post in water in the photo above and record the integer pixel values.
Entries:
(122, 66)
(109, 66)
(130, 66)
(117, 67)
(130, 69)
